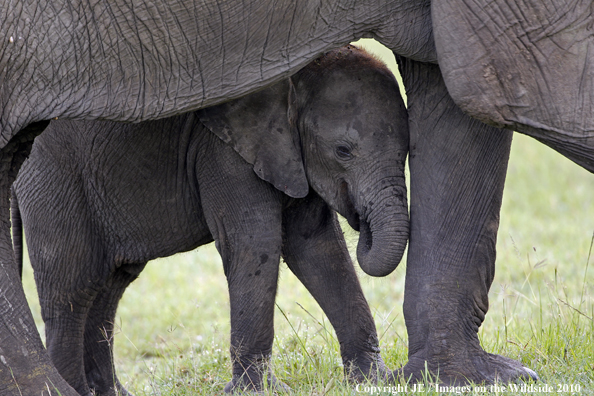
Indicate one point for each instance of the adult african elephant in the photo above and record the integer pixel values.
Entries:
(135, 60)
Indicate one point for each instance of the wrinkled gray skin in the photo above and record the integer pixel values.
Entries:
(519, 64)
(124, 194)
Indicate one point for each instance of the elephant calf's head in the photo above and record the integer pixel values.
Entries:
(340, 127)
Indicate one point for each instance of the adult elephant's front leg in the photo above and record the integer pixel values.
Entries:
(457, 168)
(314, 249)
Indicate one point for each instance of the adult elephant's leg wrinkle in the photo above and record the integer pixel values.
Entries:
(455, 203)
(25, 367)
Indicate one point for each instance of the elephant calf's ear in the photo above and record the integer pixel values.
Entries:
(257, 127)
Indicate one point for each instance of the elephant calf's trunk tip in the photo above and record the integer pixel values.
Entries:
(379, 256)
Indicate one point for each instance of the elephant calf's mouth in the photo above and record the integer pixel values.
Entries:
(349, 212)
(365, 237)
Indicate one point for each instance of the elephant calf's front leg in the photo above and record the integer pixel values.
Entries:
(251, 265)
(252, 277)
(244, 217)
(315, 250)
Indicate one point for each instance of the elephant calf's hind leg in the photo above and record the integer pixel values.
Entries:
(99, 332)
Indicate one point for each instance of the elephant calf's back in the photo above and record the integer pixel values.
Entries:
(129, 191)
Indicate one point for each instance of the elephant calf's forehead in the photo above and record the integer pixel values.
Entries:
(345, 93)
(346, 58)
(349, 76)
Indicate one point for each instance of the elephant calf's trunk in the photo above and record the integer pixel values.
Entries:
(383, 239)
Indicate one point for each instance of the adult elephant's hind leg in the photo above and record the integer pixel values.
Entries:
(457, 168)
(315, 250)
(99, 332)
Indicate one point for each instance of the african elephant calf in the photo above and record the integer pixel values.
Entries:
(260, 176)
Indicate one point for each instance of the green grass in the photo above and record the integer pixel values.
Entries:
(173, 322)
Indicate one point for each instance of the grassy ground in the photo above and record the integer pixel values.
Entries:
(173, 336)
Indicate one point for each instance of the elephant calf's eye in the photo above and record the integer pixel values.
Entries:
(344, 152)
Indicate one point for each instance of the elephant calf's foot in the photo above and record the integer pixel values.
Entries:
(253, 378)
(479, 368)
(103, 386)
(240, 387)
(367, 367)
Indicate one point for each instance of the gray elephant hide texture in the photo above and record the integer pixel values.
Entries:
(521, 64)
(123, 194)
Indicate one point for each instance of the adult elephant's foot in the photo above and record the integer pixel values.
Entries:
(443, 323)
(478, 367)
(254, 378)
